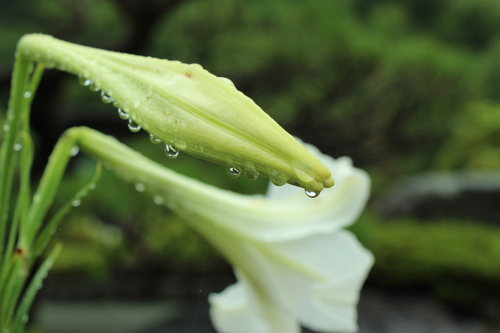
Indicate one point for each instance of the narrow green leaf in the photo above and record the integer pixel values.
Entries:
(21, 316)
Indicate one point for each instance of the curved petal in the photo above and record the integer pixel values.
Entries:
(231, 311)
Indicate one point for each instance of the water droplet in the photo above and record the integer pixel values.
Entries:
(251, 174)
(76, 203)
(26, 318)
(136, 103)
(171, 151)
(6, 127)
(140, 187)
(312, 194)
(276, 178)
(122, 114)
(105, 98)
(18, 146)
(84, 81)
(233, 171)
(93, 87)
(115, 104)
(154, 139)
(133, 126)
(27, 94)
(158, 200)
(74, 151)
(92, 186)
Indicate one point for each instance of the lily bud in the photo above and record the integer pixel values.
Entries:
(189, 108)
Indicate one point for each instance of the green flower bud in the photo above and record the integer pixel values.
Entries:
(187, 107)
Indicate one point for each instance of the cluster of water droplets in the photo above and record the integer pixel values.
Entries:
(171, 150)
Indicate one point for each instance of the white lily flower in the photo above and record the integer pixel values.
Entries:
(294, 262)
(310, 275)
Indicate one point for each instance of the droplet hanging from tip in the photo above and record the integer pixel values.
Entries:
(312, 194)
(171, 151)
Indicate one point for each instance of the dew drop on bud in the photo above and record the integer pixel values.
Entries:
(251, 174)
(312, 194)
(122, 114)
(154, 139)
(105, 98)
(233, 171)
(171, 151)
(133, 126)
(84, 81)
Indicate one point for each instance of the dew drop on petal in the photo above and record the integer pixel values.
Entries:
(122, 114)
(233, 171)
(133, 126)
(154, 139)
(171, 151)
(312, 194)
(74, 151)
(140, 187)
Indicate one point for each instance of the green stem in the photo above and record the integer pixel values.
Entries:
(44, 196)
(15, 115)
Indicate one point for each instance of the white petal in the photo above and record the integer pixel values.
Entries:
(239, 309)
(231, 311)
(321, 281)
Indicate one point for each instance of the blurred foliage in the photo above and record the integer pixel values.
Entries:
(454, 259)
(475, 139)
(400, 86)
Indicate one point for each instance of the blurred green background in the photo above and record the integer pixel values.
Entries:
(402, 87)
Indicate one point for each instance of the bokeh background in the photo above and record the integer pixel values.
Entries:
(409, 89)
